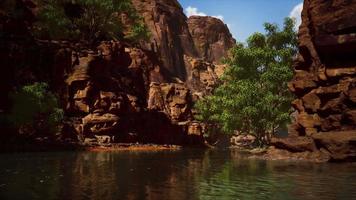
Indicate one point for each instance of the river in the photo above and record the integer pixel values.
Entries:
(181, 174)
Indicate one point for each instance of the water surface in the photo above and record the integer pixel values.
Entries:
(186, 174)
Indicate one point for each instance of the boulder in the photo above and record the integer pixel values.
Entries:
(294, 144)
(311, 101)
(340, 144)
(308, 121)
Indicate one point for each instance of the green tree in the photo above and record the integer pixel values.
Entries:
(89, 20)
(36, 109)
(254, 97)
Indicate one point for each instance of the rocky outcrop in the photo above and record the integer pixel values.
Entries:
(170, 36)
(203, 76)
(172, 99)
(325, 80)
(176, 38)
(211, 36)
(116, 92)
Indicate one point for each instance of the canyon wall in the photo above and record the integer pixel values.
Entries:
(325, 82)
(175, 38)
(119, 92)
(211, 36)
(170, 36)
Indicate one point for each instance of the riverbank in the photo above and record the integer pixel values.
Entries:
(59, 147)
(133, 147)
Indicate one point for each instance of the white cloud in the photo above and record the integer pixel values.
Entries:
(190, 11)
(296, 14)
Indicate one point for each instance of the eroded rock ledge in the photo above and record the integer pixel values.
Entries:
(324, 83)
(116, 94)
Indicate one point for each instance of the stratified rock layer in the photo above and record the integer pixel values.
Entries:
(325, 80)
(211, 36)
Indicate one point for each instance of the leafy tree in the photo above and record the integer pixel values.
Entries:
(254, 97)
(89, 20)
(36, 109)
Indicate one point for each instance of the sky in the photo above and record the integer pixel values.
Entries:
(245, 17)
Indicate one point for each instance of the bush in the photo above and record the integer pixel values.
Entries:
(36, 109)
(89, 20)
(254, 97)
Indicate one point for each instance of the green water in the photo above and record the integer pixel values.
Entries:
(187, 174)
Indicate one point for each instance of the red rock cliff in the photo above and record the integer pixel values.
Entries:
(211, 36)
(325, 81)
(171, 38)
(116, 92)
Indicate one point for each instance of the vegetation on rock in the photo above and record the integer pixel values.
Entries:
(89, 20)
(253, 97)
(36, 110)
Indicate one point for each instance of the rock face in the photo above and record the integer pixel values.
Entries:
(325, 79)
(170, 38)
(107, 92)
(117, 92)
(175, 38)
(203, 76)
(211, 36)
(171, 98)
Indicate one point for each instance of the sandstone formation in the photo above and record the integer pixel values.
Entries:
(189, 50)
(175, 38)
(325, 81)
(118, 92)
(172, 99)
(203, 76)
(170, 38)
(211, 36)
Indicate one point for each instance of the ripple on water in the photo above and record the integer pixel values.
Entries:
(188, 174)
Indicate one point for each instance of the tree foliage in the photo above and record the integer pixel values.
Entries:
(254, 97)
(36, 108)
(89, 20)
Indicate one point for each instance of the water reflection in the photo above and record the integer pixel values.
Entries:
(188, 174)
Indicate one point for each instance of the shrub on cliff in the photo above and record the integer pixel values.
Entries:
(254, 97)
(35, 110)
(89, 20)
